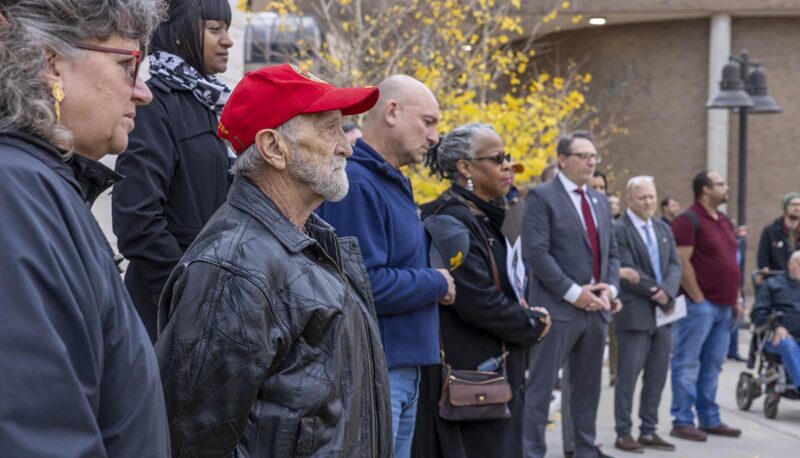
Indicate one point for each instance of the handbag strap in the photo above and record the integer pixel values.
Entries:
(492, 263)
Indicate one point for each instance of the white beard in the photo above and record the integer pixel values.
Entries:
(331, 184)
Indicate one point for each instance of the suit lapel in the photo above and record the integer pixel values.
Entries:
(567, 202)
(663, 246)
(640, 250)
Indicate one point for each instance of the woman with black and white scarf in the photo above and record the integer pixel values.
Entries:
(175, 167)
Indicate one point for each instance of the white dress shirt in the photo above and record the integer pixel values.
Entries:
(574, 291)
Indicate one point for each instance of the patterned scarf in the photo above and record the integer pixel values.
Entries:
(177, 74)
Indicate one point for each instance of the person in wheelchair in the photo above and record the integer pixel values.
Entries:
(778, 304)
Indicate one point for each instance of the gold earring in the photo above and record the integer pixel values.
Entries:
(58, 95)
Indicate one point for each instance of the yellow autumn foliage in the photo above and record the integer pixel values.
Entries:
(473, 54)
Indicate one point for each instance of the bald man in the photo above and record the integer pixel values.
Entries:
(380, 211)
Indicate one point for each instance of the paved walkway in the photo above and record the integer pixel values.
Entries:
(761, 437)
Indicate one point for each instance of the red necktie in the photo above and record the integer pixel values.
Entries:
(591, 231)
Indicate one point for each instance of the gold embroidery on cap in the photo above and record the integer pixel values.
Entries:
(308, 75)
(223, 129)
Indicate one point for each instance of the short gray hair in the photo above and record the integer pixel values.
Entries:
(38, 26)
(250, 164)
(457, 145)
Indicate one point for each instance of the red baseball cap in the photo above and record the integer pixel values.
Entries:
(270, 96)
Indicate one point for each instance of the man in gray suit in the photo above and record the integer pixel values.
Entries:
(569, 247)
(651, 275)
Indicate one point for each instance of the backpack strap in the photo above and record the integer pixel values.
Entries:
(693, 218)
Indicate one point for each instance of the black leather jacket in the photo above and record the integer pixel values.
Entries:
(270, 344)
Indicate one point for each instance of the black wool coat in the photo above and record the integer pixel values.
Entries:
(473, 330)
(176, 176)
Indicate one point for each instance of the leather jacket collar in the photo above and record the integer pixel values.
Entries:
(249, 198)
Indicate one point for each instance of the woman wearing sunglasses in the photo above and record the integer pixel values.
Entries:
(77, 371)
(175, 168)
(489, 316)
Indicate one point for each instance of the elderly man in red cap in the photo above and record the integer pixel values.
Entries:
(269, 343)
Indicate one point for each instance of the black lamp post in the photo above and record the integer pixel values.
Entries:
(743, 89)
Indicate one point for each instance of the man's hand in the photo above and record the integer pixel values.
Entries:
(698, 300)
(630, 274)
(780, 334)
(545, 320)
(450, 297)
(659, 295)
(604, 293)
(588, 300)
(737, 310)
(617, 306)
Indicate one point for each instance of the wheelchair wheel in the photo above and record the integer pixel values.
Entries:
(745, 391)
(771, 405)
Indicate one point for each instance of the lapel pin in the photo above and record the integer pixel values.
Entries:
(594, 200)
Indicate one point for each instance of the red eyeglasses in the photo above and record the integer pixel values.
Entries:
(133, 70)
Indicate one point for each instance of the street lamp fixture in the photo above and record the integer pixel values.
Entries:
(743, 90)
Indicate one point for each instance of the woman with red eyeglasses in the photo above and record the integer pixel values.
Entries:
(78, 375)
(175, 167)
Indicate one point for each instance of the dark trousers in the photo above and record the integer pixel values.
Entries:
(579, 344)
(641, 350)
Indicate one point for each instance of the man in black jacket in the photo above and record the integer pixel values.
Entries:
(782, 294)
(780, 238)
(270, 343)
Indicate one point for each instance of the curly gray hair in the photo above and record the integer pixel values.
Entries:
(457, 145)
(36, 27)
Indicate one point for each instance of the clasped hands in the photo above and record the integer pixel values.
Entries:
(595, 297)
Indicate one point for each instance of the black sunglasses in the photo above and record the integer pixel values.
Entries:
(497, 158)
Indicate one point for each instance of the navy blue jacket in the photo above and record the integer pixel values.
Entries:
(380, 211)
(78, 374)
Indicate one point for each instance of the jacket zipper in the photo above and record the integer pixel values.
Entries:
(371, 378)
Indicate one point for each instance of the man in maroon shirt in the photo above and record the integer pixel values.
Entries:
(710, 281)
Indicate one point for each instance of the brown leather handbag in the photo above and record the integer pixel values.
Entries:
(475, 395)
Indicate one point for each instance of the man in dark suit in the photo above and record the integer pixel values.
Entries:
(651, 276)
(569, 247)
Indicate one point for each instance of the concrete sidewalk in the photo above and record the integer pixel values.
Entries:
(761, 437)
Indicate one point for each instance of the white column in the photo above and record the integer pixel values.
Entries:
(719, 50)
